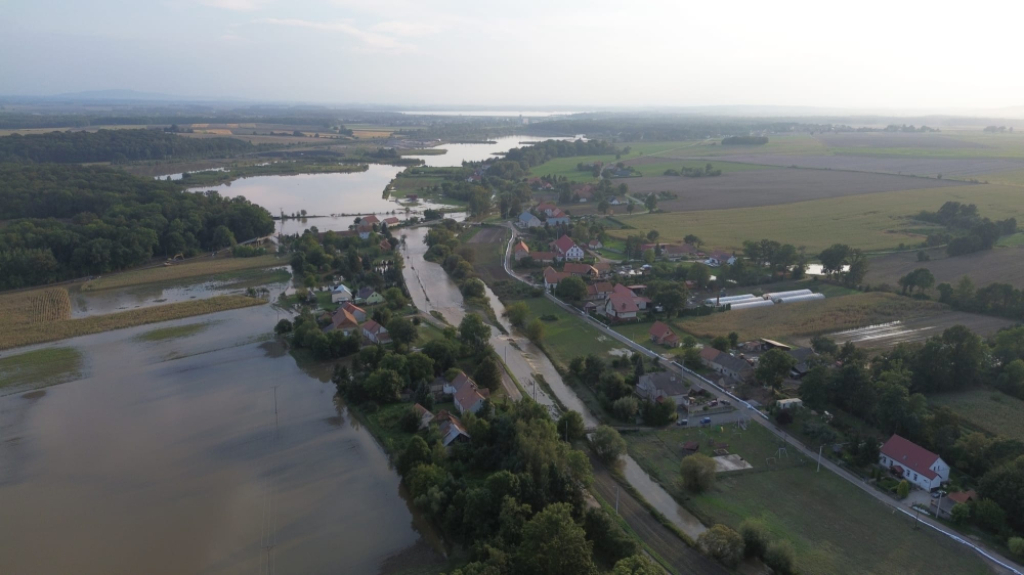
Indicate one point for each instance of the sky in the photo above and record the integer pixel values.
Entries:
(896, 54)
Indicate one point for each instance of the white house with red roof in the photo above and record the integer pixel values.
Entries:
(548, 209)
(621, 307)
(661, 333)
(371, 219)
(466, 394)
(376, 333)
(914, 463)
(552, 277)
(521, 250)
(358, 312)
(567, 249)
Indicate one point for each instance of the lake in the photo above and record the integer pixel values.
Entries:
(458, 153)
(211, 454)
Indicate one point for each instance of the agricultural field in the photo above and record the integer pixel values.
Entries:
(43, 315)
(39, 368)
(404, 185)
(989, 410)
(884, 335)
(983, 169)
(788, 322)
(1002, 264)
(834, 527)
(771, 186)
(195, 267)
(871, 222)
(566, 336)
(485, 247)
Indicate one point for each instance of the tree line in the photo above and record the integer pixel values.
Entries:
(100, 220)
(117, 146)
(537, 154)
(967, 231)
(744, 140)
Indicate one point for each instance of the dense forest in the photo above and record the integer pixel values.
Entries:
(537, 154)
(100, 220)
(967, 232)
(116, 146)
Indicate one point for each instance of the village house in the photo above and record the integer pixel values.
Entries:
(341, 294)
(615, 201)
(376, 333)
(542, 257)
(599, 291)
(662, 334)
(567, 249)
(425, 416)
(384, 245)
(556, 220)
(914, 463)
(369, 220)
(451, 428)
(594, 244)
(466, 394)
(580, 270)
(356, 311)
(392, 221)
(620, 307)
(343, 321)
(726, 364)
(720, 258)
(803, 356)
(364, 231)
(368, 296)
(548, 209)
(520, 250)
(639, 301)
(552, 277)
(603, 269)
(662, 385)
(528, 220)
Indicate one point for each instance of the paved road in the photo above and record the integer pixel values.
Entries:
(993, 557)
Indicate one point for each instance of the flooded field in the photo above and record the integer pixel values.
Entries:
(213, 453)
(87, 303)
(458, 153)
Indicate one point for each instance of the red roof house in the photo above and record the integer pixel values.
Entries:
(661, 333)
(913, 462)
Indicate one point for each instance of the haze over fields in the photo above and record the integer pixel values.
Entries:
(901, 57)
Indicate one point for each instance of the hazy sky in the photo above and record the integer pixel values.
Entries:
(892, 54)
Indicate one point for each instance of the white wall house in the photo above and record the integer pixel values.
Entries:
(916, 464)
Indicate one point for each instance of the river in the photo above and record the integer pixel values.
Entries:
(432, 289)
(213, 453)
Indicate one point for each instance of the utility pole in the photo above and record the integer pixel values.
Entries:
(819, 456)
(616, 499)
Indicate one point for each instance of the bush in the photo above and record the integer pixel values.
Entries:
(903, 489)
(780, 557)
(410, 421)
(625, 408)
(608, 444)
(960, 513)
(535, 330)
(755, 537)
(284, 326)
(1016, 545)
(570, 426)
(697, 472)
(723, 544)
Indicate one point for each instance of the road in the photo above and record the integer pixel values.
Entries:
(757, 416)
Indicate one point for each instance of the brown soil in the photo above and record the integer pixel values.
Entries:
(770, 187)
(1002, 265)
(931, 167)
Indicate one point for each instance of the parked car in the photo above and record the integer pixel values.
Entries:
(683, 422)
(705, 421)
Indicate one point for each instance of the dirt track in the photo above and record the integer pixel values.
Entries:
(683, 558)
(1002, 265)
(770, 187)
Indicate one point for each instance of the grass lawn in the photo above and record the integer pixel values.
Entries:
(405, 185)
(190, 269)
(40, 368)
(428, 333)
(174, 332)
(871, 222)
(1012, 241)
(569, 336)
(834, 527)
(986, 409)
(783, 322)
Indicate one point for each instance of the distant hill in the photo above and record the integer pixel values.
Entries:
(119, 95)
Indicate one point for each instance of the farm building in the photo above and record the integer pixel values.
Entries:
(790, 403)
(726, 364)
(369, 220)
(914, 463)
(367, 295)
(451, 428)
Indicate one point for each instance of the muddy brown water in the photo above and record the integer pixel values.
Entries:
(229, 459)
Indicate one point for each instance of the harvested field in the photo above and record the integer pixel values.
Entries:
(985, 169)
(489, 235)
(870, 222)
(925, 141)
(989, 410)
(193, 268)
(790, 322)
(885, 335)
(1004, 265)
(768, 187)
(24, 322)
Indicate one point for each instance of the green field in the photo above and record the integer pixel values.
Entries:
(569, 336)
(658, 168)
(834, 527)
(405, 185)
(871, 222)
(986, 409)
(174, 332)
(40, 368)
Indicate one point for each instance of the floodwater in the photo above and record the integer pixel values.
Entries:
(491, 113)
(458, 153)
(87, 303)
(432, 289)
(211, 454)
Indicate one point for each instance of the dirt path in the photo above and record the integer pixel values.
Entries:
(681, 557)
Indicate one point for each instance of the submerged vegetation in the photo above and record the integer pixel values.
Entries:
(39, 368)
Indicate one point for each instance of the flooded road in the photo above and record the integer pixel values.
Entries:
(212, 454)
(432, 289)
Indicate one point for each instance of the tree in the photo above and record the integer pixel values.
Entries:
(416, 452)
(570, 426)
(734, 339)
(284, 326)
(653, 235)
(402, 331)
(989, 516)
(572, 288)
(1016, 545)
(960, 513)
(630, 207)
(611, 543)
(1004, 487)
(395, 298)
(517, 313)
(625, 408)
(721, 343)
(651, 202)
(756, 537)
(773, 367)
(535, 330)
(487, 373)
(474, 332)
(636, 565)
(903, 489)
(834, 258)
(693, 240)
(672, 299)
(554, 544)
(608, 444)
(697, 472)
(723, 544)
(649, 256)
(659, 413)
(223, 238)
(780, 557)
